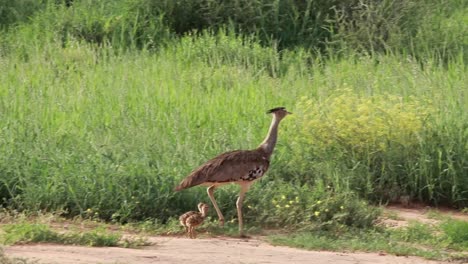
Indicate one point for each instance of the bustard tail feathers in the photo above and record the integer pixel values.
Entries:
(178, 188)
(187, 183)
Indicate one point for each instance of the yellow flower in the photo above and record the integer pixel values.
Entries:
(326, 210)
(341, 207)
(291, 202)
(287, 206)
(316, 213)
(319, 202)
(283, 197)
(297, 199)
(249, 206)
(278, 206)
(274, 201)
(89, 210)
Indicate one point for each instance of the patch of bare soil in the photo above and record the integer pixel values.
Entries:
(198, 251)
(398, 216)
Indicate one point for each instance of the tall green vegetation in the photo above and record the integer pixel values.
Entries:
(436, 27)
(14, 12)
(104, 109)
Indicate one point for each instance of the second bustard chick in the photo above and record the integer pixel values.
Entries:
(192, 219)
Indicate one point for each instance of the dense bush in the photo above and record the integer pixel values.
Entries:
(418, 28)
(119, 24)
(379, 146)
(18, 11)
(286, 205)
(360, 132)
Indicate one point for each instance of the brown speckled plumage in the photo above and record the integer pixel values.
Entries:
(231, 166)
(192, 219)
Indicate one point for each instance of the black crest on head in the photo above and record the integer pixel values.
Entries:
(275, 109)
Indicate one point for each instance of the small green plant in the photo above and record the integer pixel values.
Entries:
(36, 233)
(456, 232)
(98, 237)
(341, 211)
(169, 227)
(415, 232)
(28, 233)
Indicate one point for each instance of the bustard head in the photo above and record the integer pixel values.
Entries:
(203, 207)
(280, 112)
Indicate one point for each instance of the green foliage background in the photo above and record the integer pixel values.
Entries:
(106, 105)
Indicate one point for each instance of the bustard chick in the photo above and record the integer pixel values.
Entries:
(240, 166)
(192, 219)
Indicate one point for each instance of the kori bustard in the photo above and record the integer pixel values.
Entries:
(240, 166)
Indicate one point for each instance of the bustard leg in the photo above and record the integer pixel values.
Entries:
(191, 232)
(243, 189)
(210, 191)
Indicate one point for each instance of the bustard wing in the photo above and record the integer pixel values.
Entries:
(234, 166)
(183, 218)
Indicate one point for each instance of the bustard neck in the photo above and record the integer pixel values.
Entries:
(269, 142)
(204, 213)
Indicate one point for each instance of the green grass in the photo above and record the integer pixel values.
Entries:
(22, 233)
(88, 128)
(357, 242)
(435, 28)
(457, 233)
(431, 242)
(102, 113)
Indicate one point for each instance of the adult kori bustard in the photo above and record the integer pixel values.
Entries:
(240, 166)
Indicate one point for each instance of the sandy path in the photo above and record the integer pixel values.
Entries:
(212, 250)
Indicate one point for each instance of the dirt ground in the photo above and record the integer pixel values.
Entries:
(167, 250)
(214, 250)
